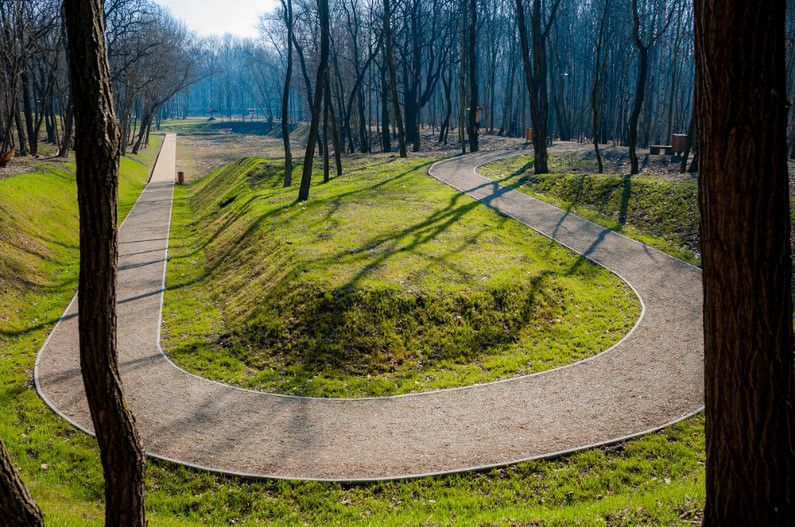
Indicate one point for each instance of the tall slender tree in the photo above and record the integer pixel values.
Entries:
(472, 62)
(535, 69)
(287, 6)
(741, 101)
(390, 58)
(643, 44)
(97, 147)
(317, 103)
(596, 92)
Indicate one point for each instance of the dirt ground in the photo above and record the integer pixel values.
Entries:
(28, 164)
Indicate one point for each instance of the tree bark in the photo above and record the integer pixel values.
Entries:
(742, 111)
(472, 123)
(390, 58)
(536, 75)
(386, 135)
(17, 508)
(640, 90)
(97, 150)
(317, 103)
(596, 94)
(288, 154)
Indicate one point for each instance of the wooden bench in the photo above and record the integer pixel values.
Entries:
(656, 150)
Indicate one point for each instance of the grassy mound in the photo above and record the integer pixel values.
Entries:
(39, 233)
(658, 212)
(385, 282)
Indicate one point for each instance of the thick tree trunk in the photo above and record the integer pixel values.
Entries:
(288, 153)
(742, 110)
(317, 103)
(17, 508)
(97, 150)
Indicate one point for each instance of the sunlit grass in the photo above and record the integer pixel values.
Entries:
(659, 213)
(385, 282)
(656, 480)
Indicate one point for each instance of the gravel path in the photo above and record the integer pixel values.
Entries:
(650, 379)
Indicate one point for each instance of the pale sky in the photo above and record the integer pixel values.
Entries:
(216, 17)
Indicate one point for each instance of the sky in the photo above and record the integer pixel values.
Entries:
(216, 17)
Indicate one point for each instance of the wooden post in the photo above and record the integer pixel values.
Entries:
(180, 178)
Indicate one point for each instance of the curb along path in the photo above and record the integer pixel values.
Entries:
(652, 378)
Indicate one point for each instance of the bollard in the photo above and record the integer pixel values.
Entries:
(180, 178)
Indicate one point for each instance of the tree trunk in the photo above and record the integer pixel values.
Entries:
(634, 117)
(17, 508)
(472, 123)
(386, 137)
(390, 58)
(536, 76)
(23, 145)
(640, 90)
(97, 185)
(317, 103)
(66, 141)
(596, 94)
(336, 141)
(27, 107)
(690, 137)
(288, 154)
(742, 111)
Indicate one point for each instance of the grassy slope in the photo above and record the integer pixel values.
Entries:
(385, 282)
(38, 276)
(663, 214)
(655, 480)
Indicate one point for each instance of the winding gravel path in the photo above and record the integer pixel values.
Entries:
(650, 379)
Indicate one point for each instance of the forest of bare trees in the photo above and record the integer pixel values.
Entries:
(152, 58)
(617, 70)
(642, 74)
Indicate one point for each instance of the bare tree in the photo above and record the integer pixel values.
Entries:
(596, 93)
(742, 111)
(97, 185)
(317, 104)
(536, 73)
(472, 62)
(642, 44)
(390, 58)
(287, 6)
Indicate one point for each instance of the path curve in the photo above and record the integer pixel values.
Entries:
(652, 378)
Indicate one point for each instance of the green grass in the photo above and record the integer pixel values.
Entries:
(660, 213)
(655, 480)
(385, 282)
